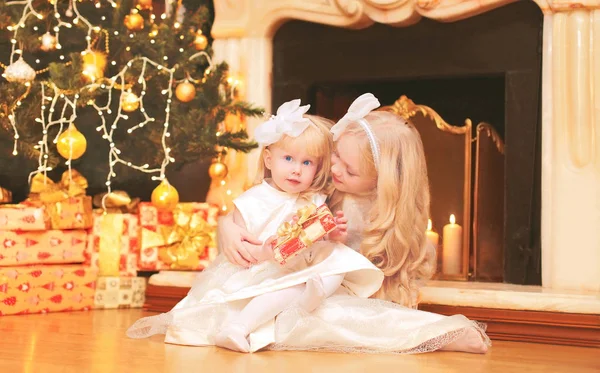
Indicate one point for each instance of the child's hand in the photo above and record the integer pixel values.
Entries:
(266, 253)
(340, 234)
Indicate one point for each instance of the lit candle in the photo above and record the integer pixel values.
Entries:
(432, 237)
(452, 247)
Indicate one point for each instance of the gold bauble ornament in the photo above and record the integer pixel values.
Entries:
(134, 22)
(19, 71)
(130, 102)
(145, 4)
(71, 143)
(201, 42)
(48, 42)
(218, 170)
(165, 196)
(185, 91)
(94, 63)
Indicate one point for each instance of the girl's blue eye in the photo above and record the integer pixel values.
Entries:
(288, 158)
(307, 163)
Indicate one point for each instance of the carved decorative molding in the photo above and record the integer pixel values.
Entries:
(261, 18)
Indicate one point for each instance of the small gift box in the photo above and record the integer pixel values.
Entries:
(313, 224)
(182, 239)
(114, 244)
(66, 203)
(24, 218)
(46, 288)
(120, 292)
(42, 247)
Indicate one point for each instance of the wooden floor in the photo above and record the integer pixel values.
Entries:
(95, 341)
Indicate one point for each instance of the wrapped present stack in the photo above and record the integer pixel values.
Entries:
(130, 236)
(58, 253)
(42, 248)
(113, 250)
(175, 242)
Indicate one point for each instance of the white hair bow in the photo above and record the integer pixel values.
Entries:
(357, 112)
(359, 109)
(288, 121)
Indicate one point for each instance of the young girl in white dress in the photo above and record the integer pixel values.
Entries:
(235, 307)
(381, 182)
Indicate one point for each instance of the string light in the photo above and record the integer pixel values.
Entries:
(114, 151)
(49, 121)
(28, 11)
(86, 22)
(60, 24)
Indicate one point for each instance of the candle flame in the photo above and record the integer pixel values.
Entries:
(429, 225)
(452, 219)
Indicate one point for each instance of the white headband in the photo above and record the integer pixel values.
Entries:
(357, 112)
(288, 121)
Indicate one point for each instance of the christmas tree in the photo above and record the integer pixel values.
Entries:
(109, 87)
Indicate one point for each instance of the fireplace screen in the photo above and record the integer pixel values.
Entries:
(466, 175)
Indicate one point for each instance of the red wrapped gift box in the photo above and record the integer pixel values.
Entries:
(163, 231)
(313, 224)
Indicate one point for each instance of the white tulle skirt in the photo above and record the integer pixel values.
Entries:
(347, 321)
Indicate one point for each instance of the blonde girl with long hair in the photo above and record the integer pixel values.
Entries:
(393, 188)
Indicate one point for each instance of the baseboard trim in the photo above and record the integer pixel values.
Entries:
(163, 298)
(572, 329)
(505, 325)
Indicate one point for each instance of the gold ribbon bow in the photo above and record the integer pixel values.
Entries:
(45, 190)
(288, 231)
(5, 196)
(187, 240)
(117, 202)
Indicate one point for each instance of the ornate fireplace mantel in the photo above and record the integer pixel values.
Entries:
(243, 32)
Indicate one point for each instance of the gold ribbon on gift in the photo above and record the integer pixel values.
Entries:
(5, 196)
(117, 202)
(45, 190)
(109, 249)
(185, 242)
(288, 231)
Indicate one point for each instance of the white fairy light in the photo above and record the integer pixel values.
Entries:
(28, 11)
(108, 132)
(12, 121)
(49, 121)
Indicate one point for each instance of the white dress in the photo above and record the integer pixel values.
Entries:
(223, 289)
(346, 321)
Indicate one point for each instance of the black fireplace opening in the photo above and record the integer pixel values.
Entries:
(483, 97)
(486, 68)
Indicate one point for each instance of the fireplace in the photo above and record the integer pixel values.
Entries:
(464, 74)
(246, 35)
